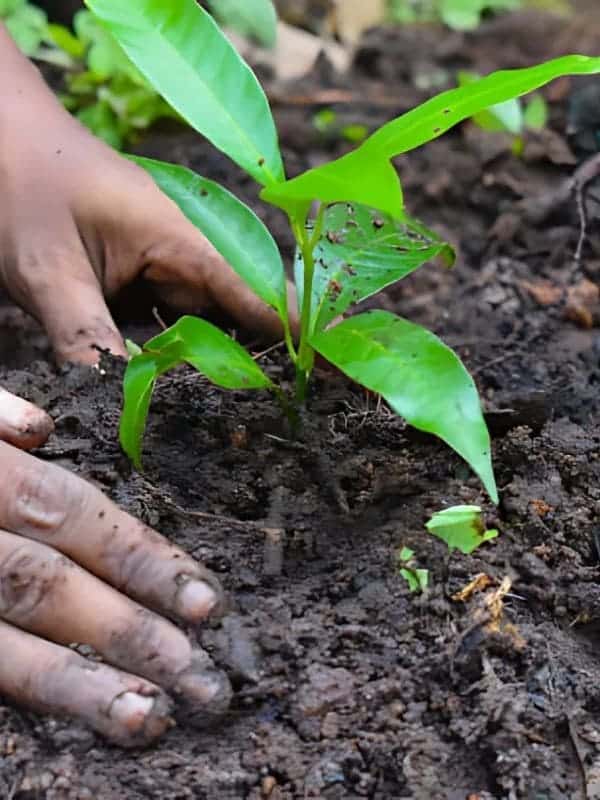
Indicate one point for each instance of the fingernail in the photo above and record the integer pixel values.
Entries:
(131, 710)
(207, 692)
(139, 719)
(195, 600)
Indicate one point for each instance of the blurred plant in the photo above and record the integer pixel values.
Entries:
(417, 579)
(103, 88)
(513, 116)
(463, 14)
(255, 19)
(329, 124)
(26, 23)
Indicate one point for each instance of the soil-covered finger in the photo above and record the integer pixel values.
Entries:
(45, 593)
(46, 677)
(51, 505)
(22, 423)
(48, 272)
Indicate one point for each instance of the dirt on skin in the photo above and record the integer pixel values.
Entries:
(349, 686)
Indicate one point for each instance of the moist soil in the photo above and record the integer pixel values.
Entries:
(348, 685)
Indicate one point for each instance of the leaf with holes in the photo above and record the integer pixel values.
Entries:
(361, 252)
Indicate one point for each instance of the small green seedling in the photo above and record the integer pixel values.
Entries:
(332, 128)
(513, 116)
(461, 527)
(417, 579)
(464, 15)
(354, 236)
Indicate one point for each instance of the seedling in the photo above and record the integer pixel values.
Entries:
(417, 579)
(463, 15)
(461, 527)
(513, 116)
(353, 233)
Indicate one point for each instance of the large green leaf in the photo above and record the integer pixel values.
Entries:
(421, 379)
(179, 48)
(193, 341)
(360, 176)
(361, 252)
(255, 18)
(231, 227)
(356, 177)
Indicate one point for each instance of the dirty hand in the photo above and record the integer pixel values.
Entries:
(79, 222)
(76, 569)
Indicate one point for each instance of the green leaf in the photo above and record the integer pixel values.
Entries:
(138, 384)
(366, 176)
(355, 178)
(102, 121)
(443, 112)
(213, 353)
(461, 527)
(417, 579)
(421, 379)
(190, 62)
(27, 26)
(507, 116)
(193, 341)
(252, 18)
(231, 227)
(63, 38)
(360, 253)
(535, 117)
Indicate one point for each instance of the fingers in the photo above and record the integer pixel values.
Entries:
(190, 274)
(49, 504)
(51, 277)
(127, 710)
(22, 423)
(46, 594)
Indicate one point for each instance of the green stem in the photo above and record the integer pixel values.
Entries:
(306, 354)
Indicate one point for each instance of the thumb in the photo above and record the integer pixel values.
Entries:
(59, 287)
(21, 423)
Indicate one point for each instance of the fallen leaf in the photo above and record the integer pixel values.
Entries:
(544, 293)
(478, 584)
(351, 18)
(583, 301)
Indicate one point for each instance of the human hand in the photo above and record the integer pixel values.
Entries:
(75, 568)
(79, 222)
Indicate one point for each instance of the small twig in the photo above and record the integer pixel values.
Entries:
(579, 752)
(582, 215)
(159, 319)
(266, 352)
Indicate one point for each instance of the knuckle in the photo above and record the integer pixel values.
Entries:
(40, 499)
(29, 577)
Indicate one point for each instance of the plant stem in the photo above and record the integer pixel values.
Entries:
(306, 354)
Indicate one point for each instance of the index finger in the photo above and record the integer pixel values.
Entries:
(51, 505)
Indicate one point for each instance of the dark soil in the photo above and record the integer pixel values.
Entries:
(363, 689)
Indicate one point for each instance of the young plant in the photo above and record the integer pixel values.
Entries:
(513, 116)
(353, 234)
(461, 527)
(417, 579)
